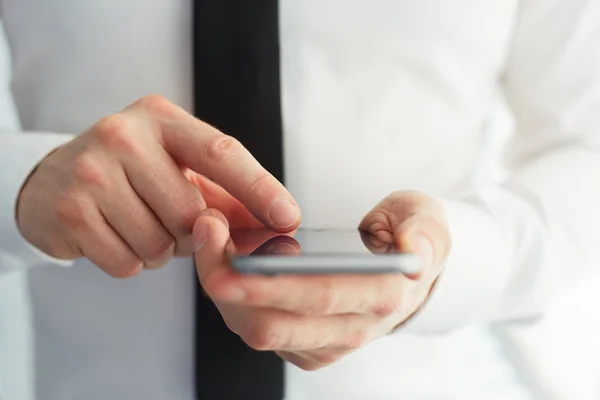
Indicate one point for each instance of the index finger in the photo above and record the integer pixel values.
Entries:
(224, 159)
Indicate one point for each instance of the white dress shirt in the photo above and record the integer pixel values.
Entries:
(378, 96)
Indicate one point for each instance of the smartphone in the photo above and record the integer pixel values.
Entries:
(322, 251)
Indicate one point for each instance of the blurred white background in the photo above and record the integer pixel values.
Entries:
(561, 353)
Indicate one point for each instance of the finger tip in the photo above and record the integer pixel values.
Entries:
(284, 229)
(217, 214)
(421, 245)
(284, 215)
(401, 239)
(208, 228)
(208, 221)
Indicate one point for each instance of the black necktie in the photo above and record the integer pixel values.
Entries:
(237, 90)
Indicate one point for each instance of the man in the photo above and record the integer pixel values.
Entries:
(381, 107)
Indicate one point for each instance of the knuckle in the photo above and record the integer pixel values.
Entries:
(115, 132)
(403, 202)
(305, 364)
(263, 337)
(88, 171)
(188, 211)
(72, 211)
(163, 247)
(391, 304)
(308, 365)
(222, 149)
(126, 269)
(160, 251)
(325, 358)
(107, 127)
(62, 248)
(155, 104)
(258, 185)
(355, 341)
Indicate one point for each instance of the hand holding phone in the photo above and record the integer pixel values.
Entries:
(314, 320)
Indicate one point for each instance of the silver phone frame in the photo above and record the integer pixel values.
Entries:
(407, 264)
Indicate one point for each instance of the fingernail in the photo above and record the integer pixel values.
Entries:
(200, 235)
(422, 245)
(216, 215)
(283, 213)
(209, 213)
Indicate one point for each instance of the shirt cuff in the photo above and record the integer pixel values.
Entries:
(21, 153)
(472, 278)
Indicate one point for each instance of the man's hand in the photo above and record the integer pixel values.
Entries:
(313, 321)
(126, 193)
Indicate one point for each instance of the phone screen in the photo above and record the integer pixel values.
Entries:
(323, 242)
(320, 251)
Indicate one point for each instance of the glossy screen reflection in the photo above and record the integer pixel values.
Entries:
(319, 251)
(318, 242)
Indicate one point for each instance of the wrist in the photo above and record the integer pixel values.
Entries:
(26, 183)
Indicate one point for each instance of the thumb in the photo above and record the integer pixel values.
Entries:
(212, 241)
(423, 235)
(414, 222)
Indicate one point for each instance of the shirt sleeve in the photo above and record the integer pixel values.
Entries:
(517, 244)
(19, 155)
